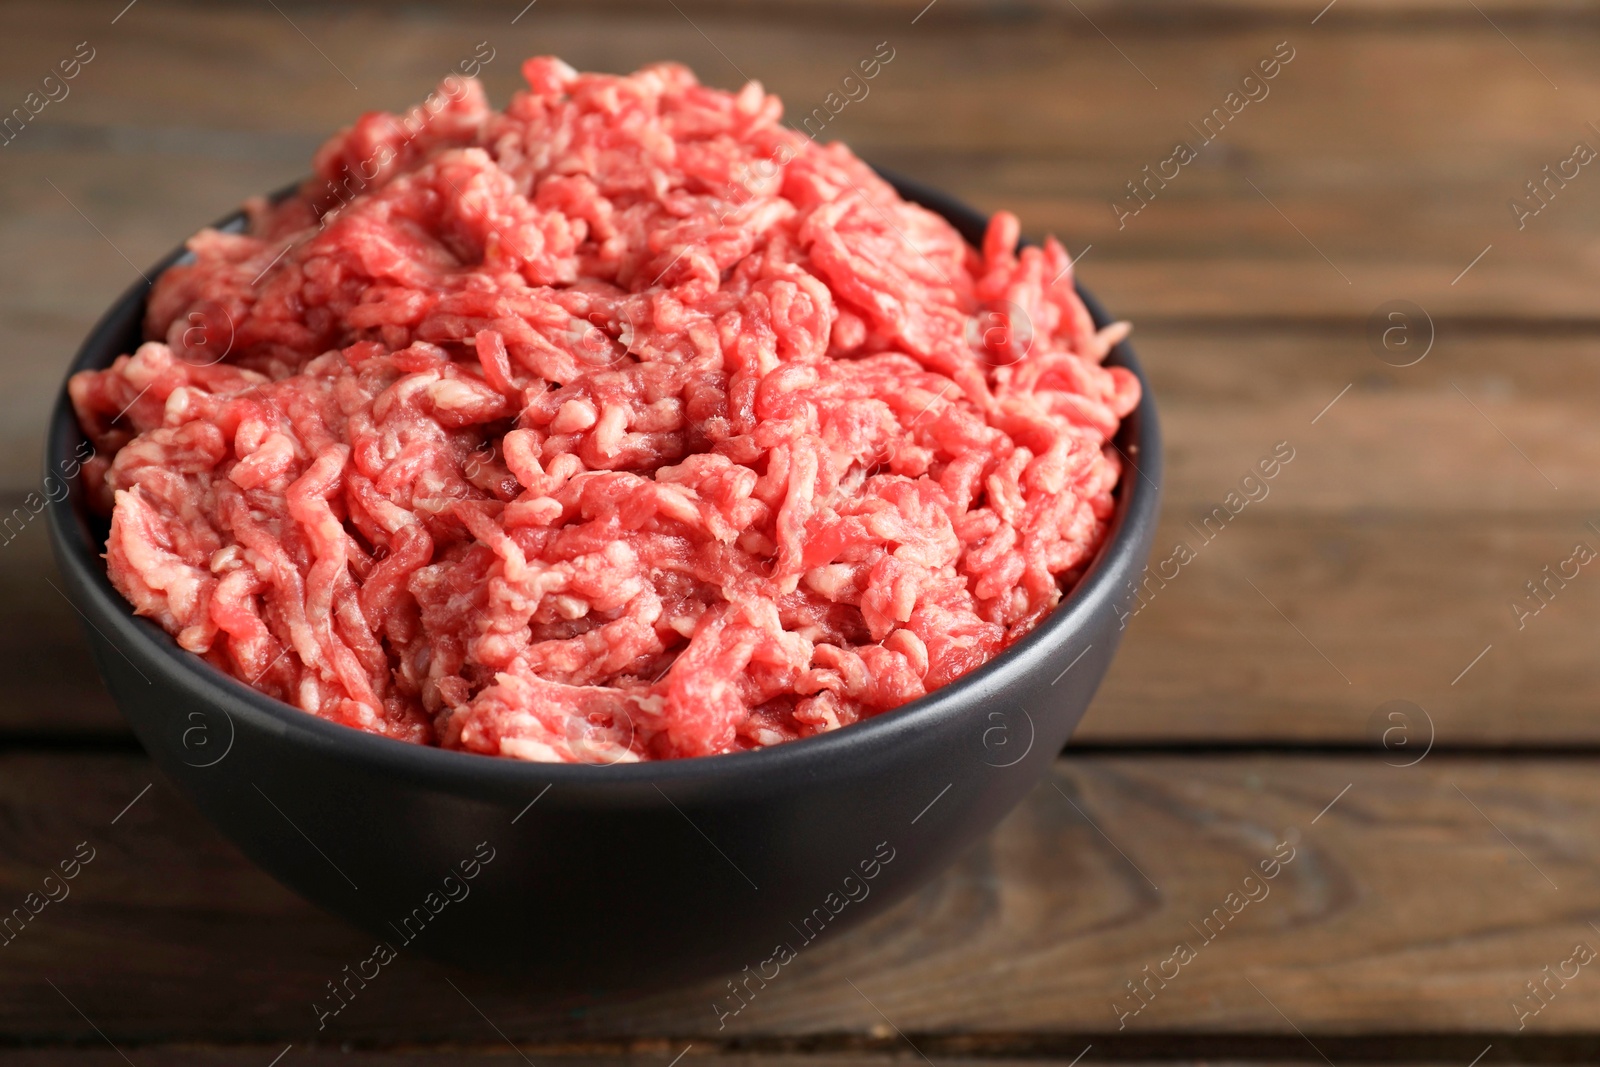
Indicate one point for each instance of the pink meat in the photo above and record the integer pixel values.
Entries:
(627, 423)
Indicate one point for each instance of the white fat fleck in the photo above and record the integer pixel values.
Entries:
(610, 430)
(177, 403)
(453, 395)
(575, 415)
(229, 558)
(570, 607)
(831, 580)
(525, 748)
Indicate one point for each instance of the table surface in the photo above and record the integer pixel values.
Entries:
(1434, 878)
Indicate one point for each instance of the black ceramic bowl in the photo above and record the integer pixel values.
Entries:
(594, 880)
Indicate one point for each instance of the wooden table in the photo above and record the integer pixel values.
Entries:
(1433, 879)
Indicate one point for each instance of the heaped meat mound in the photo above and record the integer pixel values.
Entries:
(628, 423)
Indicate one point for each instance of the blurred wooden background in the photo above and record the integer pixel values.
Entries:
(1253, 694)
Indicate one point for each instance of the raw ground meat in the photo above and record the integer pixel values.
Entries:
(627, 423)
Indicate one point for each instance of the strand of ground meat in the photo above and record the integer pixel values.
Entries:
(626, 423)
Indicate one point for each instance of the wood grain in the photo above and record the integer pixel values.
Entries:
(168, 932)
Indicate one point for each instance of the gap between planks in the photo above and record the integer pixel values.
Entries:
(1176, 1049)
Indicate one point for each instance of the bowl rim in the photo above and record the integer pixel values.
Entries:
(1137, 502)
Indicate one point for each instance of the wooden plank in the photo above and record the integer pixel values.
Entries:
(1296, 629)
(1474, 426)
(51, 687)
(1036, 932)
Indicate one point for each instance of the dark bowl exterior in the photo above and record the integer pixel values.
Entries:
(595, 881)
